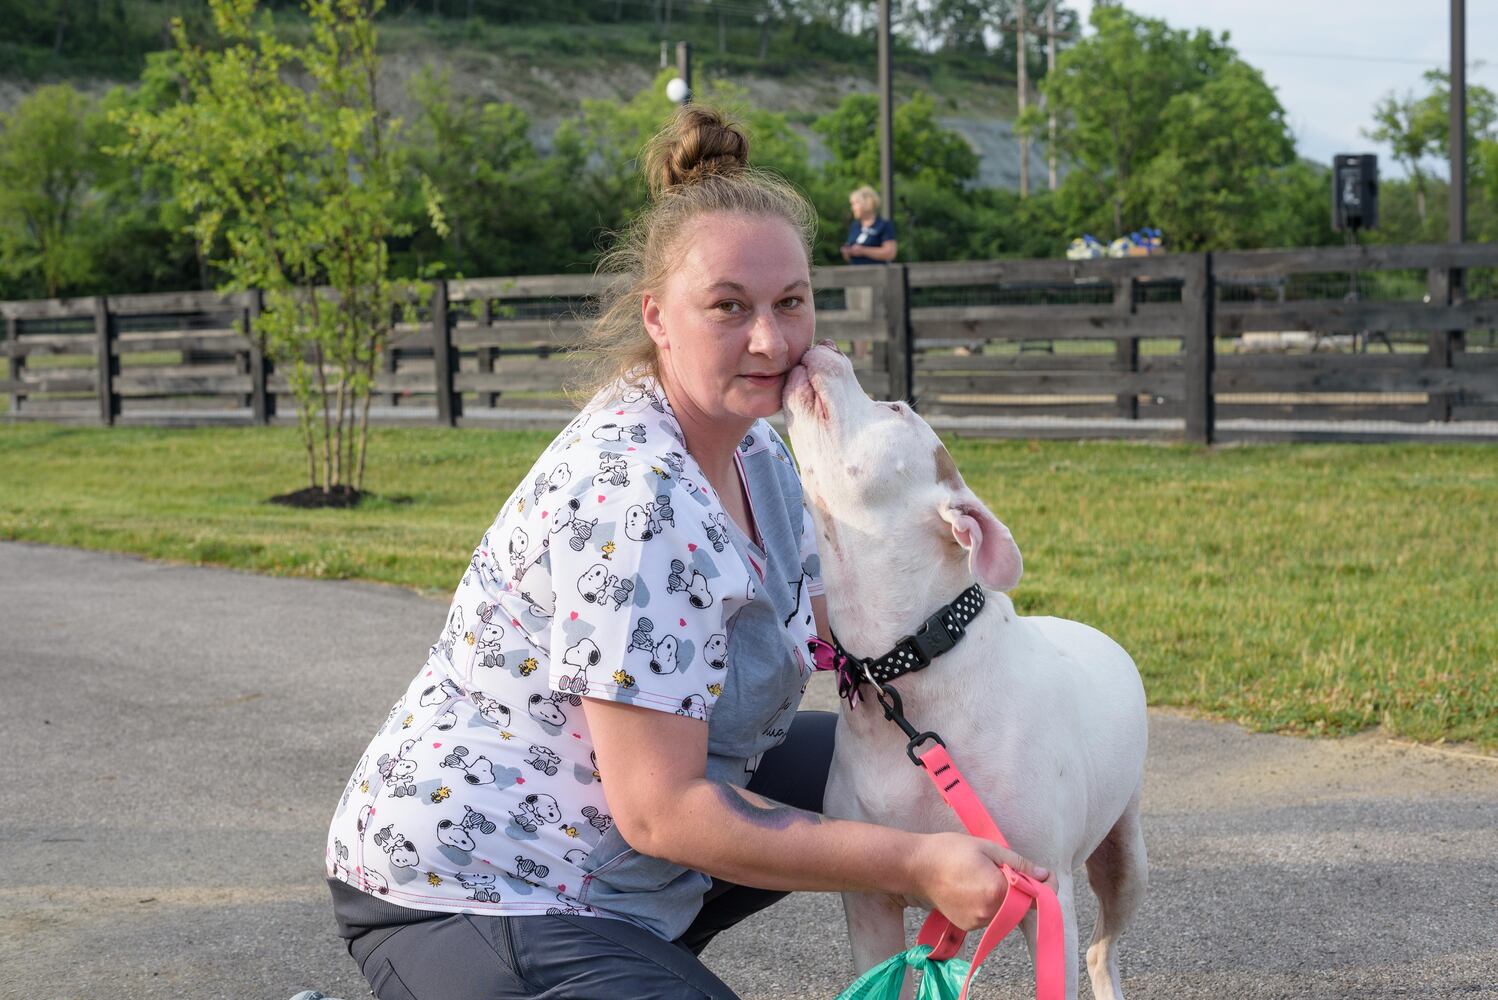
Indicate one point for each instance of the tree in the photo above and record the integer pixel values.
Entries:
(301, 185)
(1419, 127)
(49, 162)
(1108, 91)
(1210, 184)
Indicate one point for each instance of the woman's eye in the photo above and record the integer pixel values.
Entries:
(727, 307)
(792, 302)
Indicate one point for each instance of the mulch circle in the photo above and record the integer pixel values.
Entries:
(314, 497)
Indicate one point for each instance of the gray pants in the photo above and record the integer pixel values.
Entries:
(464, 956)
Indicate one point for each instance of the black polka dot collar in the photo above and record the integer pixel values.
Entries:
(938, 634)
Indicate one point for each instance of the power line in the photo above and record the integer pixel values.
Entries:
(1343, 56)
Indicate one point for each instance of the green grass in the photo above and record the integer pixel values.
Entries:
(1300, 588)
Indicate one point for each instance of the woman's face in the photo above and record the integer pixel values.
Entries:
(859, 205)
(733, 317)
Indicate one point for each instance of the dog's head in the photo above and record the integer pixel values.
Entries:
(880, 469)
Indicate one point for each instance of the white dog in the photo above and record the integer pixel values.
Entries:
(1044, 717)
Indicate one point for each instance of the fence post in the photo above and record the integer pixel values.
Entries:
(1197, 297)
(17, 362)
(444, 359)
(1126, 350)
(899, 355)
(108, 362)
(262, 402)
(1441, 345)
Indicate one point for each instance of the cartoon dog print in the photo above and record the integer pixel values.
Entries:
(491, 710)
(698, 596)
(527, 870)
(482, 886)
(362, 823)
(566, 909)
(340, 862)
(618, 432)
(664, 513)
(676, 462)
(401, 851)
(576, 856)
(460, 834)
(534, 810)
(479, 771)
(579, 657)
(717, 531)
(373, 882)
(613, 471)
(623, 591)
(436, 694)
(641, 637)
(547, 710)
(597, 820)
(663, 657)
(639, 524)
(694, 705)
(450, 633)
(491, 634)
(636, 393)
(582, 529)
(519, 543)
(595, 584)
(397, 771)
(445, 721)
(716, 651)
(560, 476)
(544, 759)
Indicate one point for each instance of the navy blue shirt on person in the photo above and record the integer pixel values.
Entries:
(874, 235)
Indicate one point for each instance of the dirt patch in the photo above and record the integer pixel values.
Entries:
(316, 498)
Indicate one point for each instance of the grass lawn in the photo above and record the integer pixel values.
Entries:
(1301, 588)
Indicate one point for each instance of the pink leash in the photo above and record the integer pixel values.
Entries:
(940, 934)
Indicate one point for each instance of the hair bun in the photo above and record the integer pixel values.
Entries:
(698, 142)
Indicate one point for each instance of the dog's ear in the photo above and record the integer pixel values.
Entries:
(992, 555)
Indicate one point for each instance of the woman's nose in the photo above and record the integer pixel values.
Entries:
(766, 337)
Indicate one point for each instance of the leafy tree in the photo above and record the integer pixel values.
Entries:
(1420, 127)
(1108, 92)
(301, 185)
(1221, 144)
(49, 162)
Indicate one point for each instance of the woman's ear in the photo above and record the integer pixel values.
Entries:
(650, 315)
(992, 554)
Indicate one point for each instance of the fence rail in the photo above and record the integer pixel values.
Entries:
(1401, 337)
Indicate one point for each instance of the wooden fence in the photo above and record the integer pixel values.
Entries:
(1395, 342)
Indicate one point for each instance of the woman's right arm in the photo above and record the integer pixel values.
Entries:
(654, 777)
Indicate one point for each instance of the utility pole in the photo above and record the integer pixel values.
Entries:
(1050, 69)
(1458, 142)
(684, 66)
(886, 113)
(1024, 86)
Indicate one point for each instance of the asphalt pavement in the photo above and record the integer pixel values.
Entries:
(174, 739)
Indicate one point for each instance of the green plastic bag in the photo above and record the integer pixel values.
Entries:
(941, 980)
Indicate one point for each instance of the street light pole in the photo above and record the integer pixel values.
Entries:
(1458, 142)
(684, 67)
(1022, 84)
(1050, 69)
(886, 112)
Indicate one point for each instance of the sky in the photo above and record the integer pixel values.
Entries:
(1330, 61)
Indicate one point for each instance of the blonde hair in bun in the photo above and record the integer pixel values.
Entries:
(698, 164)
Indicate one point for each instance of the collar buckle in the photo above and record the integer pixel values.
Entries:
(931, 640)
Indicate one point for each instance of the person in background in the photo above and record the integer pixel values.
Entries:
(871, 237)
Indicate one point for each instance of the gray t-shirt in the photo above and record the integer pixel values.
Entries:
(611, 572)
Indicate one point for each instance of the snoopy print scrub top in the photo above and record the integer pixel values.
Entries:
(611, 572)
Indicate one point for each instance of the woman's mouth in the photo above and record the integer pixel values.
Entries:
(765, 381)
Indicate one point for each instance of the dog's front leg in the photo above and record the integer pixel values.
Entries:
(876, 929)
